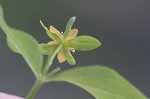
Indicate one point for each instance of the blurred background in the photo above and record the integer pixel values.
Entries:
(123, 27)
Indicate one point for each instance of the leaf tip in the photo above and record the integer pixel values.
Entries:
(73, 18)
(71, 61)
(98, 43)
(42, 24)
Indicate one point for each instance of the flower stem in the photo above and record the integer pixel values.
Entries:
(50, 59)
(34, 89)
(39, 82)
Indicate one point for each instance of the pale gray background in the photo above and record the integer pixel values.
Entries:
(123, 27)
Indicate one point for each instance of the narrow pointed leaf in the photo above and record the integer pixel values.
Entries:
(23, 43)
(69, 25)
(56, 37)
(102, 82)
(85, 43)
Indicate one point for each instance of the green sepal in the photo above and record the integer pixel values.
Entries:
(47, 31)
(69, 56)
(47, 49)
(69, 26)
(53, 36)
(84, 43)
(56, 38)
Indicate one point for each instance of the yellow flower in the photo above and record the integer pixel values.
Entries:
(64, 41)
(68, 41)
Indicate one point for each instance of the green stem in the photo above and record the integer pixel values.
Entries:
(39, 82)
(49, 60)
(35, 89)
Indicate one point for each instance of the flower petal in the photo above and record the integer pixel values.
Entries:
(54, 30)
(51, 43)
(72, 34)
(61, 57)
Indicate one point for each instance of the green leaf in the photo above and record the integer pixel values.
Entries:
(69, 26)
(47, 49)
(23, 43)
(11, 46)
(84, 43)
(102, 82)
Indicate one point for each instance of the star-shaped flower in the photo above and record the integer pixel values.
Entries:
(69, 42)
(62, 54)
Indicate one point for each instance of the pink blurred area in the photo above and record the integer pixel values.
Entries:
(8, 96)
